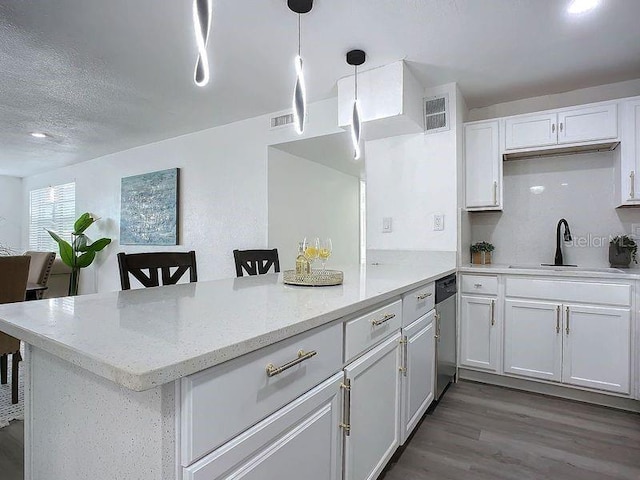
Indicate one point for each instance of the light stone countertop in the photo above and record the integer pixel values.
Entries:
(144, 338)
(553, 271)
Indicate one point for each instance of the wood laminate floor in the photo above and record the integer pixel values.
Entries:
(483, 432)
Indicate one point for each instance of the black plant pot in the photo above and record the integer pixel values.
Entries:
(619, 257)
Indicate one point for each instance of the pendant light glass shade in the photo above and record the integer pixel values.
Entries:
(356, 127)
(202, 15)
(299, 97)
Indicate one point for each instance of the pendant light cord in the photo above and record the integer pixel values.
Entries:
(356, 67)
(299, 36)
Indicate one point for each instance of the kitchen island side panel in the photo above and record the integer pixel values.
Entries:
(81, 426)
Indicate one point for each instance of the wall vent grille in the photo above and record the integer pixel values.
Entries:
(281, 120)
(436, 114)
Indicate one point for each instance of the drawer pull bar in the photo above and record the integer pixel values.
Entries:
(477, 285)
(272, 370)
(422, 296)
(385, 318)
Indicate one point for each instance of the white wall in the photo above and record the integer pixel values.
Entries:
(307, 199)
(611, 91)
(11, 213)
(223, 191)
(576, 187)
(410, 178)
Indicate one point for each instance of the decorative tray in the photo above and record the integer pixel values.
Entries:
(317, 278)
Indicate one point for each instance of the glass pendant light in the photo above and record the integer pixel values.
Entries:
(356, 58)
(202, 15)
(299, 91)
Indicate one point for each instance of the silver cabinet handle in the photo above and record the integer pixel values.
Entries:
(567, 320)
(422, 296)
(346, 407)
(272, 370)
(560, 127)
(632, 186)
(493, 312)
(477, 285)
(404, 345)
(557, 318)
(437, 319)
(553, 128)
(386, 317)
(495, 193)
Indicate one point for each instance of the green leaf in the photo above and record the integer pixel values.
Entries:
(85, 259)
(66, 252)
(80, 243)
(82, 223)
(98, 245)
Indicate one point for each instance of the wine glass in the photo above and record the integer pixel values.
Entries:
(311, 248)
(324, 252)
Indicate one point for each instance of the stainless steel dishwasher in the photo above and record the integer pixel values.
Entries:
(446, 296)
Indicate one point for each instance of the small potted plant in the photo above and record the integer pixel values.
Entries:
(481, 253)
(622, 249)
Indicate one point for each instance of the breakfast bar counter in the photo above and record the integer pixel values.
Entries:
(103, 371)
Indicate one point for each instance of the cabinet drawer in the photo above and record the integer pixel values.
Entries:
(222, 401)
(566, 291)
(480, 284)
(417, 302)
(364, 332)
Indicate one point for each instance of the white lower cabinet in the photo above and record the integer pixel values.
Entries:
(373, 408)
(478, 332)
(418, 374)
(597, 342)
(576, 344)
(302, 440)
(533, 339)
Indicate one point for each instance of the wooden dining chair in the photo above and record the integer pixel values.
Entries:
(14, 272)
(158, 267)
(256, 262)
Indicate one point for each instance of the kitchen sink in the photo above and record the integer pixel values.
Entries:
(567, 268)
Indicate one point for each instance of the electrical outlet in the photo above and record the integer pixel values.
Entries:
(438, 222)
(386, 225)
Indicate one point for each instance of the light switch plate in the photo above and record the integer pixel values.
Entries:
(386, 225)
(438, 222)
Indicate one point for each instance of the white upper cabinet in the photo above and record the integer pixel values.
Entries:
(483, 166)
(588, 124)
(576, 125)
(628, 188)
(525, 131)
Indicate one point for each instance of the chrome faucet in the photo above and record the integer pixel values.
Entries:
(567, 238)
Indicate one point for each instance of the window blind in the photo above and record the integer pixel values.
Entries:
(51, 208)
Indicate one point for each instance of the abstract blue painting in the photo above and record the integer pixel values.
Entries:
(149, 208)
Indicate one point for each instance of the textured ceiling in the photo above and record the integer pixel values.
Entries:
(102, 76)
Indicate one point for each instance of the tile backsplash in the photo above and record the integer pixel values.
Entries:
(540, 191)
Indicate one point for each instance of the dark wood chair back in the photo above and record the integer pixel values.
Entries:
(256, 262)
(158, 265)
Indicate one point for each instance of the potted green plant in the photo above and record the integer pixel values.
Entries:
(81, 252)
(481, 253)
(622, 249)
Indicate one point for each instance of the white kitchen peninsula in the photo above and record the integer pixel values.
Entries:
(116, 383)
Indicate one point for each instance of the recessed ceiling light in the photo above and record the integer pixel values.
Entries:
(577, 7)
(39, 135)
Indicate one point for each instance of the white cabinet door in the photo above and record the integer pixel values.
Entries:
(374, 411)
(482, 165)
(533, 339)
(597, 344)
(629, 187)
(478, 332)
(418, 380)
(526, 131)
(588, 124)
(303, 437)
